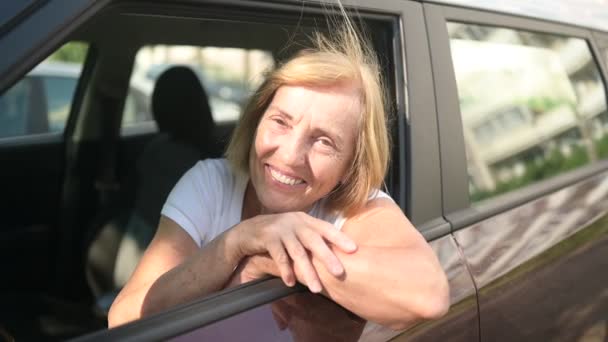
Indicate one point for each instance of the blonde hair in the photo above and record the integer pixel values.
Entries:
(343, 57)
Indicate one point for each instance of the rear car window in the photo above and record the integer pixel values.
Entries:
(228, 75)
(41, 101)
(533, 106)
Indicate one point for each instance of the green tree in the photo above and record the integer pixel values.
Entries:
(553, 164)
(72, 52)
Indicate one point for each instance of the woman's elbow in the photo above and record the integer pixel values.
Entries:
(435, 303)
(434, 308)
(118, 315)
(430, 304)
(114, 315)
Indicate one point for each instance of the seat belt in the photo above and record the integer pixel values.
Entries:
(106, 183)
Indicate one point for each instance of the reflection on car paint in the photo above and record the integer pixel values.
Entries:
(461, 322)
(532, 265)
(298, 317)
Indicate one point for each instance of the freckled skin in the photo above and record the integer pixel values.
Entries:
(309, 134)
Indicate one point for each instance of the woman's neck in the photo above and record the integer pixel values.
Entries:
(251, 205)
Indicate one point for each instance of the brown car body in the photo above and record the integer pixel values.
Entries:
(527, 265)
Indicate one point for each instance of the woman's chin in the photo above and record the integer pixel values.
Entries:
(279, 210)
(277, 207)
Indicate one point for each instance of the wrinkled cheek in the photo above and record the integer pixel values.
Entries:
(264, 145)
(327, 176)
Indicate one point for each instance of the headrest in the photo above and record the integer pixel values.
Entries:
(180, 106)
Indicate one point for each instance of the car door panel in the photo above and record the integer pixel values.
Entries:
(242, 314)
(32, 169)
(541, 267)
(461, 322)
(536, 254)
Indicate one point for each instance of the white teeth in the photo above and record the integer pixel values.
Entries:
(284, 179)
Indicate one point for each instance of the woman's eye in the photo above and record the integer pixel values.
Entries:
(325, 143)
(280, 121)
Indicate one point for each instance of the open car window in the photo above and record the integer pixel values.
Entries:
(228, 75)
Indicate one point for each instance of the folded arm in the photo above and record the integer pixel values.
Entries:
(393, 278)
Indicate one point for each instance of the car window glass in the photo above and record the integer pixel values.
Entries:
(41, 101)
(228, 75)
(533, 105)
(59, 93)
(14, 105)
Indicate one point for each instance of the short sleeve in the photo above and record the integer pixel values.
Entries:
(189, 203)
(338, 220)
(379, 194)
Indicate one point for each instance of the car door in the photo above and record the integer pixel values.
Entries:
(522, 121)
(265, 309)
(34, 110)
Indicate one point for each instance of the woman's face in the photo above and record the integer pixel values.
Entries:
(304, 145)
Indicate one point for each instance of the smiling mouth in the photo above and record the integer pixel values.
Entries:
(284, 179)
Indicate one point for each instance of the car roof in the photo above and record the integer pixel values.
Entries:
(585, 13)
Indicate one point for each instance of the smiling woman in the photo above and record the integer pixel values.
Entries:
(297, 197)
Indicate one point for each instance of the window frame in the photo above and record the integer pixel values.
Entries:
(416, 164)
(601, 41)
(48, 28)
(457, 206)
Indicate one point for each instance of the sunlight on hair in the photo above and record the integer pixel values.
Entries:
(343, 57)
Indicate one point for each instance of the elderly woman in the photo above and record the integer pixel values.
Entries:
(297, 197)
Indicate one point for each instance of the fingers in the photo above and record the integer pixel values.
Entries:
(315, 243)
(292, 237)
(333, 235)
(281, 258)
(300, 257)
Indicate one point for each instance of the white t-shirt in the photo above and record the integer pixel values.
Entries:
(208, 200)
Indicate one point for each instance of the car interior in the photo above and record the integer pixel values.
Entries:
(84, 205)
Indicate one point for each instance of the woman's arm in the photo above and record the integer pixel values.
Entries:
(393, 278)
(173, 261)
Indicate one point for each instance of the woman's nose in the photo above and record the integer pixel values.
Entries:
(293, 151)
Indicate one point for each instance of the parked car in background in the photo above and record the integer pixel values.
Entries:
(500, 131)
(226, 99)
(40, 102)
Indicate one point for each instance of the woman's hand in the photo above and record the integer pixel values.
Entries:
(291, 239)
(248, 270)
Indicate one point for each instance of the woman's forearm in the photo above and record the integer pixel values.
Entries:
(204, 272)
(389, 285)
(392, 286)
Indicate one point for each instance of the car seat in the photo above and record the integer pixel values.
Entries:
(181, 109)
